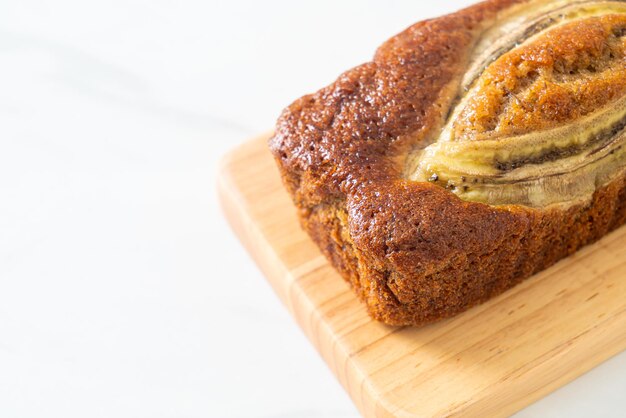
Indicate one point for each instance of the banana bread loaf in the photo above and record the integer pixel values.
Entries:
(473, 151)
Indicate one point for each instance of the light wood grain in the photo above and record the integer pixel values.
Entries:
(490, 361)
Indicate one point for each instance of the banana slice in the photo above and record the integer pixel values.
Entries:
(541, 117)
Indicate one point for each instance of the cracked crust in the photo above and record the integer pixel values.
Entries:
(413, 251)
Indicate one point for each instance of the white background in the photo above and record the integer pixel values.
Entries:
(123, 292)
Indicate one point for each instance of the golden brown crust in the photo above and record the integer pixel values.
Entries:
(413, 251)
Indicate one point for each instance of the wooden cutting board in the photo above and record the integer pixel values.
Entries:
(490, 361)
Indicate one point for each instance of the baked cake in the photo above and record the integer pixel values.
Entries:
(473, 151)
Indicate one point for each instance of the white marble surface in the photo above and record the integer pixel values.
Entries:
(116, 267)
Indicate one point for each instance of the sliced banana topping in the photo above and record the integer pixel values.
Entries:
(541, 116)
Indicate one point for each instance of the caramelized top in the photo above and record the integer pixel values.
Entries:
(558, 77)
(541, 114)
(508, 103)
